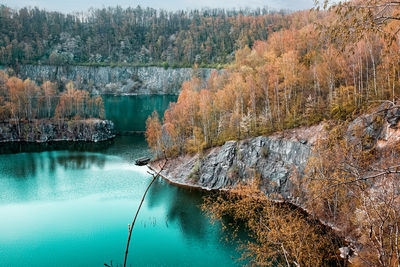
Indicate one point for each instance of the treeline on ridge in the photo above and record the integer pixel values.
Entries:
(139, 36)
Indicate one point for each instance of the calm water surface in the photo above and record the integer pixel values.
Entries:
(129, 113)
(71, 206)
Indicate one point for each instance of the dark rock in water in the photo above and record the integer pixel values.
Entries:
(142, 161)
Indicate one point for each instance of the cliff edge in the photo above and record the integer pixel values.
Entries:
(273, 158)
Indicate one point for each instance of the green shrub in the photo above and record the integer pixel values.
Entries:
(194, 175)
(264, 151)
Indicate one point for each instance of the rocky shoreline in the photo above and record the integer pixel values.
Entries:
(43, 131)
(279, 159)
(275, 158)
(156, 169)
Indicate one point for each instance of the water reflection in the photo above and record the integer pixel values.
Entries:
(23, 167)
(81, 161)
(191, 221)
(27, 165)
(135, 110)
(26, 147)
(81, 202)
(189, 217)
(128, 147)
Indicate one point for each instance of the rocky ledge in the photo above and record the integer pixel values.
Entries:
(274, 159)
(39, 131)
(278, 160)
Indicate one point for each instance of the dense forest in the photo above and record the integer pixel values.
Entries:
(135, 36)
(297, 77)
(329, 65)
(24, 100)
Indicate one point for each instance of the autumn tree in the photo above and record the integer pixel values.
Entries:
(25, 100)
(353, 183)
(18, 99)
(354, 19)
(281, 234)
(78, 104)
(49, 91)
(154, 133)
(302, 75)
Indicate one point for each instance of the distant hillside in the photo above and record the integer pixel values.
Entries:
(133, 36)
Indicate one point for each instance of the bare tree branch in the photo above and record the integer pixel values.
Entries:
(155, 176)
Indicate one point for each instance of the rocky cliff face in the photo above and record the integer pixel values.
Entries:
(115, 80)
(93, 130)
(275, 159)
(380, 128)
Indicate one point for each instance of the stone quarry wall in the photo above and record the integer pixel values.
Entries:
(273, 158)
(278, 157)
(115, 80)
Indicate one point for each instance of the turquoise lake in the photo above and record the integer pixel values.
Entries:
(129, 113)
(70, 205)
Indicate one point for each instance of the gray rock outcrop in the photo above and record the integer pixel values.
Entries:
(369, 129)
(273, 159)
(278, 158)
(115, 80)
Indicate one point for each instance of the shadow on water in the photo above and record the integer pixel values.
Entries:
(128, 147)
(81, 161)
(191, 220)
(24, 166)
(26, 147)
(30, 165)
(189, 217)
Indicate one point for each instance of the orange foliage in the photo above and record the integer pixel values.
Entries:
(296, 77)
(24, 100)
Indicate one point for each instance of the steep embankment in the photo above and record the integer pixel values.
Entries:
(115, 80)
(92, 130)
(279, 160)
(274, 158)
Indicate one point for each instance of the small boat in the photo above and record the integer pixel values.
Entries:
(142, 161)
